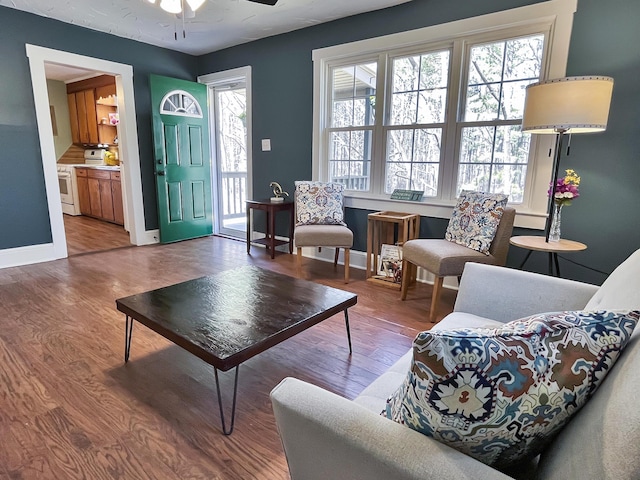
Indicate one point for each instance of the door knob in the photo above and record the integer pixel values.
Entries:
(161, 173)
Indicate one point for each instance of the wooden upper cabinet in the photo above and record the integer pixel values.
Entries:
(84, 114)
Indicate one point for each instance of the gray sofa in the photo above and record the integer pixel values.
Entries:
(326, 436)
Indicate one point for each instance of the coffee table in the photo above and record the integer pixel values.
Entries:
(228, 318)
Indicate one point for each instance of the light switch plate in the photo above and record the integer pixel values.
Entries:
(266, 144)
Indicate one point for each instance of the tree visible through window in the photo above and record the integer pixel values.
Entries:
(410, 130)
(493, 150)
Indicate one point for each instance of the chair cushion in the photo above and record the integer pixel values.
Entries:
(500, 395)
(441, 257)
(319, 203)
(323, 236)
(475, 219)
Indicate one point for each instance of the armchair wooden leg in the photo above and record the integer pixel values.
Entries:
(406, 279)
(435, 298)
(347, 254)
(335, 257)
(299, 260)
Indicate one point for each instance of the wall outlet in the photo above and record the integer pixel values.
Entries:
(266, 144)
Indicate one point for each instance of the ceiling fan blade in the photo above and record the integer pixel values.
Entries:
(265, 2)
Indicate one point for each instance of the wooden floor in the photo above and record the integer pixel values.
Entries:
(87, 235)
(71, 409)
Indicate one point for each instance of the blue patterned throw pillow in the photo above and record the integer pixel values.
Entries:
(319, 203)
(475, 219)
(500, 395)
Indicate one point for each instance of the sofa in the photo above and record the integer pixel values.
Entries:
(326, 436)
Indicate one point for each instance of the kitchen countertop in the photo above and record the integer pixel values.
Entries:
(115, 168)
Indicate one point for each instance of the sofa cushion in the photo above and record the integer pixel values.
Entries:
(475, 219)
(620, 290)
(319, 203)
(500, 395)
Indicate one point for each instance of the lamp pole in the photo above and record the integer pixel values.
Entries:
(554, 179)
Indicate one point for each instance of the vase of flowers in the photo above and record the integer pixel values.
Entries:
(564, 191)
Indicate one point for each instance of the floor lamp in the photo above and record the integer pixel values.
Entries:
(564, 106)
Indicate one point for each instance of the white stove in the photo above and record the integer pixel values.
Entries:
(69, 184)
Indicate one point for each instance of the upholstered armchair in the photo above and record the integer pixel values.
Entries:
(479, 231)
(320, 221)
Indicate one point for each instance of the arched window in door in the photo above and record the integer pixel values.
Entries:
(179, 102)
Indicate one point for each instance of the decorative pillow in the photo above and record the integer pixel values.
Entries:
(319, 203)
(475, 219)
(499, 395)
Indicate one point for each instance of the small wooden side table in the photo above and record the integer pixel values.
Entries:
(271, 208)
(390, 228)
(538, 244)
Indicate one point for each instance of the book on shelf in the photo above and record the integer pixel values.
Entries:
(390, 263)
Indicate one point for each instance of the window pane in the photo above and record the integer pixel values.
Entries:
(420, 88)
(512, 146)
(473, 176)
(350, 159)
(477, 144)
(413, 160)
(353, 95)
(509, 179)
(498, 75)
(494, 158)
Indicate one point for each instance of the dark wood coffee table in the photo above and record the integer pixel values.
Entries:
(227, 318)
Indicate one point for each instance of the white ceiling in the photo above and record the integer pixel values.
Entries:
(217, 24)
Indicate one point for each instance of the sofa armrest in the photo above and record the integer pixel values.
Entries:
(327, 436)
(505, 294)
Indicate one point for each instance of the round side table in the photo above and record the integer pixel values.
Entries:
(538, 244)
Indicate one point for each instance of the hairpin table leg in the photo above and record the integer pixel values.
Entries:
(346, 322)
(128, 330)
(233, 404)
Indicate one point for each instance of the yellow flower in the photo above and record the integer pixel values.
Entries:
(571, 178)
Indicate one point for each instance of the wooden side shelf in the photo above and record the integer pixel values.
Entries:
(390, 228)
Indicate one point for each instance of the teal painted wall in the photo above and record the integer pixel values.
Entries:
(23, 207)
(604, 42)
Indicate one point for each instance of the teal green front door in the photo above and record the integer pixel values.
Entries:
(182, 159)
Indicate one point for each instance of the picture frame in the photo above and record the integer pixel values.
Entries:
(390, 263)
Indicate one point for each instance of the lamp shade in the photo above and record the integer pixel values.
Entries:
(171, 6)
(195, 4)
(570, 104)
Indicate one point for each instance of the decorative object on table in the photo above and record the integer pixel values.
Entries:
(566, 106)
(565, 190)
(277, 192)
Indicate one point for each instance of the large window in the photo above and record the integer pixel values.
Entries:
(438, 114)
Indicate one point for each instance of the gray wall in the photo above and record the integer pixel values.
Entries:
(604, 41)
(58, 100)
(23, 207)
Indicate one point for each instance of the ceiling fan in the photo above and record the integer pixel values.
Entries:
(178, 6)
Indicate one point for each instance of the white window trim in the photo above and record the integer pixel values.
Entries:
(558, 13)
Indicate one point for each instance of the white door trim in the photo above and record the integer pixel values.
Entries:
(216, 79)
(128, 141)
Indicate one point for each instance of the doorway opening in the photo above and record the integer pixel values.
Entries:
(41, 59)
(230, 119)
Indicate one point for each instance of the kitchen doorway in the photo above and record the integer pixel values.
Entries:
(39, 58)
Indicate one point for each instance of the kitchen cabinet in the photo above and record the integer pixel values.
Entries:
(83, 117)
(93, 110)
(100, 194)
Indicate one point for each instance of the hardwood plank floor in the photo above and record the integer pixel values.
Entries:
(87, 235)
(71, 409)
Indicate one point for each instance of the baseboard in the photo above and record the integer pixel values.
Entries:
(15, 257)
(150, 237)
